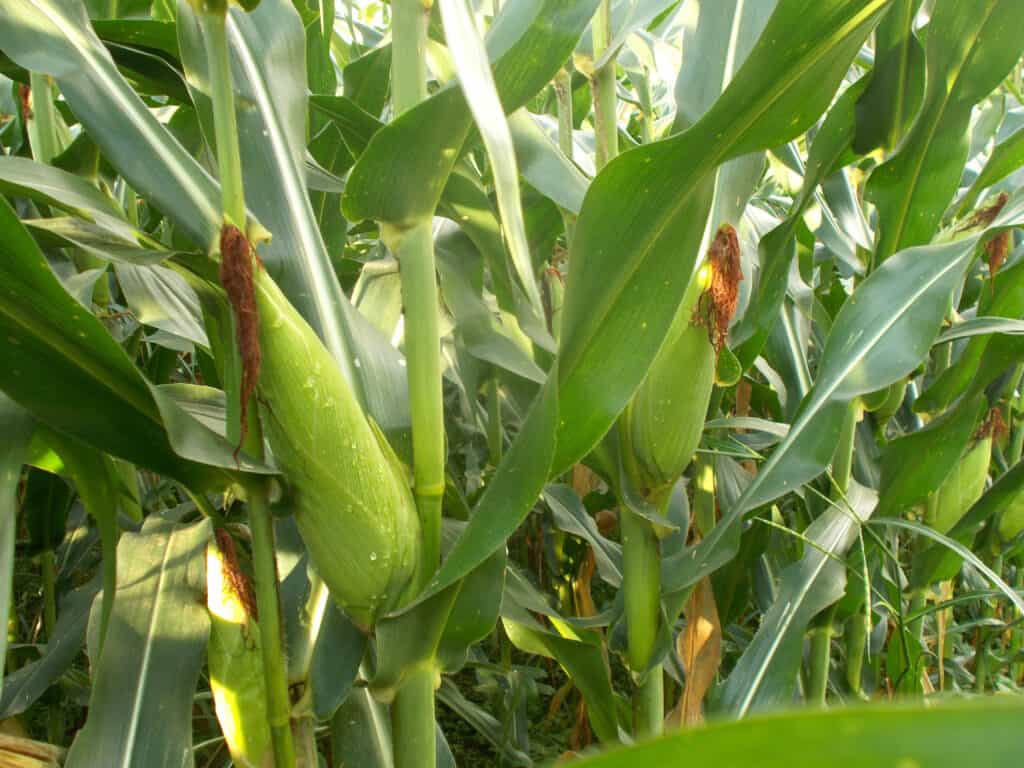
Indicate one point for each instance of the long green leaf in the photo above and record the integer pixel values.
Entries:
(980, 733)
(55, 37)
(481, 95)
(644, 216)
(766, 673)
(971, 46)
(140, 710)
(55, 356)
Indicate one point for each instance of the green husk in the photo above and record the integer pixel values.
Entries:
(962, 488)
(353, 505)
(1011, 519)
(236, 667)
(663, 423)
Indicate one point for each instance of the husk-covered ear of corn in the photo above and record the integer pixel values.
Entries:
(966, 483)
(234, 656)
(1011, 519)
(663, 423)
(353, 505)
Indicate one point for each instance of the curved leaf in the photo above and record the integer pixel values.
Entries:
(971, 46)
(55, 37)
(766, 673)
(145, 678)
(268, 57)
(644, 216)
(978, 733)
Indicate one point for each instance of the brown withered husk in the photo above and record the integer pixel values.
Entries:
(993, 426)
(25, 98)
(717, 304)
(985, 216)
(233, 574)
(996, 251)
(236, 276)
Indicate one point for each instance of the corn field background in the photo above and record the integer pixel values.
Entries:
(511, 382)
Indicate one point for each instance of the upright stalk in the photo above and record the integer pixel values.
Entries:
(563, 96)
(275, 670)
(641, 582)
(412, 712)
(414, 248)
(603, 88)
(822, 633)
(55, 713)
(563, 102)
(225, 126)
(258, 492)
(412, 733)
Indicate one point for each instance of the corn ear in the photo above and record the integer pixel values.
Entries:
(962, 487)
(663, 423)
(353, 505)
(1011, 519)
(236, 666)
(664, 420)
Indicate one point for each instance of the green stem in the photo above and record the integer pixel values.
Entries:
(261, 521)
(821, 650)
(823, 630)
(412, 712)
(229, 163)
(856, 636)
(563, 96)
(649, 705)
(603, 90)
(412, 719)
(842, 462)
(1017, 634)
(646, 108)
(985, 636)
(112, 9)
(408, 53)
(563, 101)
(49, 577)
(275, 670)
(415, 252)
(494, 433)
(55, 713)
(641, 580)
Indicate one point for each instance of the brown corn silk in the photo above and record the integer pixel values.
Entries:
(233, 573)
(998, 247)
(25, 99)
(236, 277)
(717, 304)
(993, 426)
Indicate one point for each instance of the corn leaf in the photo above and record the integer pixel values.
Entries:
(971, 46)
(145, 678)
(981, 733)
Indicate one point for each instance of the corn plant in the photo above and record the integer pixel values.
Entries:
(497, 383)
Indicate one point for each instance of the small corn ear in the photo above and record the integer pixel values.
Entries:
(962, 488)
(1011, 519)
(236, 666)
(353, 505)
(663, 423)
